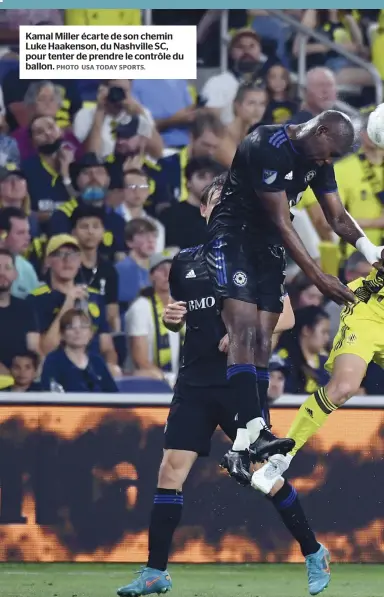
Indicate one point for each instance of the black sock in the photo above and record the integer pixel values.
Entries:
(243, 383)
(287, 504)
(165, 516)
(262, 386)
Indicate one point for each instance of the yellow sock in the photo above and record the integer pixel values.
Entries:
(311, 416)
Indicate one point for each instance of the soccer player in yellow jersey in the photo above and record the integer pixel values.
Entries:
(359, 340)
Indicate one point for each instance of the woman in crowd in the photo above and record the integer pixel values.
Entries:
(72, 368)
(304, 351)
(281, 105)
(14, 193)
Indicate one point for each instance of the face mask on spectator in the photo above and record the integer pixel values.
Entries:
(50, 148)
(93, 194)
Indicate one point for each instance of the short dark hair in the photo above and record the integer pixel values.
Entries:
(69, 316)
(7, 214)
(245, 88)
(202, 164)
(216, 185)
(207, 121)
(6, 253)
(28, 354)
(138, 226)
(86, 211)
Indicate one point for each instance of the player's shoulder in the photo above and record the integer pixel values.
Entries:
(41, 290)
(267, 141)
(189, 254)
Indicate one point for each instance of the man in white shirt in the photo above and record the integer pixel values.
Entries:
(135, 194)
(95, 126)
(153, 351)
(15, 236)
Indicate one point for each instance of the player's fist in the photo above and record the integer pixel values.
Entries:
(379, 265)
(174, 313)
(332, 288)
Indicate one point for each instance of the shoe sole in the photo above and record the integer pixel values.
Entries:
(322, 590)
(278, 446)
(132, 594)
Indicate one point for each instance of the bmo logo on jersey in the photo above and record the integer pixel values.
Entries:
(204, 303)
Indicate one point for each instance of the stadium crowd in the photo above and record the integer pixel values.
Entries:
(100, 186)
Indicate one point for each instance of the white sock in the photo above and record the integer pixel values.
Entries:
(242, 441)
(254, 427)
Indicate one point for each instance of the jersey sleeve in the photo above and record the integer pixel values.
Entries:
(324, 181)
(268, 165)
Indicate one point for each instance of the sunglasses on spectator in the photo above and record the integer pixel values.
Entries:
(137, 186)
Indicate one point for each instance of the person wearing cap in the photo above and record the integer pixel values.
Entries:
(14, 193)
(184, 226)
(50, 302)
(278, 371)
(95, 127)
(153, 351)
(135, 195)
(15, 236)
(95, 270)
(91, 180)
(47, 172)
(133, 274)
(18, 325)
(246, 64)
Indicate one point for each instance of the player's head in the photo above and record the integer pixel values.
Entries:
(211, 195)
(326, 137)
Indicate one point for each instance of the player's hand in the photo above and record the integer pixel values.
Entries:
(174, 313)
(379, 265)
(224, 343)
(332, 288)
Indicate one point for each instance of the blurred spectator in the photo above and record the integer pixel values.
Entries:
(355, 267)
(15, 236)
(303, 293)
(274, 32)
(343, 30)
(246, 64)
(281, 105)
(71, 367)
(43, 98)
(24, 370)
(184, 226)
(17, 321)
(278, 372)
(103, 17)
(248, 108)
(95, 270)
(91, 180)
(9, 150)
(47, 172)
(11, 19)
(51, 301)
(95, 126)
(14, 193)
(133, 275)
(170, 103)
(129, 151)
(320, 94)
(135, 195)
(153, 350)
(303, 350)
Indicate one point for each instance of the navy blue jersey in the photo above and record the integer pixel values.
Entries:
(265, 161)
(202, 362)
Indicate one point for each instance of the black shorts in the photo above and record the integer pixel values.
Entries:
(252, 273)
(194, 415)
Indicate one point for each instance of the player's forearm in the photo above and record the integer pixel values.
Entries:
(349, 231)
(298, 252)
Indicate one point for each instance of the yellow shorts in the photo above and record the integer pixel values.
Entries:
(361, 332)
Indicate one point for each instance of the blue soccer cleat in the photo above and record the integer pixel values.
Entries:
(150, 581)
(319, 574)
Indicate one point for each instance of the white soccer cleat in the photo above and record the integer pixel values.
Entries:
(265, 478)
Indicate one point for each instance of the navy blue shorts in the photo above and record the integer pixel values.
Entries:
(241, 270)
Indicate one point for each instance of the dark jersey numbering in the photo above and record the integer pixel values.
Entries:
(265, 161)
(202, 363)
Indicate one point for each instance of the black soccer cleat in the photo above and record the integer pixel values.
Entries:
(237, 465)
(268, 444)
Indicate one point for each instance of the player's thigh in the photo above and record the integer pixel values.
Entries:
(189, 425)
(232, 269)
(271, 272)
(175, 468)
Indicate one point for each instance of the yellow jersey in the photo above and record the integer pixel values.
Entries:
(370, 290)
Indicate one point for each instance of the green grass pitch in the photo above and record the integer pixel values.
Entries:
(249, 580)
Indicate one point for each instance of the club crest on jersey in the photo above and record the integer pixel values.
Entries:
(269, 176)
(240, 279)
(310, 176)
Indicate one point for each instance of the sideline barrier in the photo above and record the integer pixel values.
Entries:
(77, 484)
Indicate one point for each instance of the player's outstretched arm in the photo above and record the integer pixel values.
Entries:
(348, 229)
(276, 205)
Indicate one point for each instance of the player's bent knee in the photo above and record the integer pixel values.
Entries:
(341, 390)
(174, 468)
